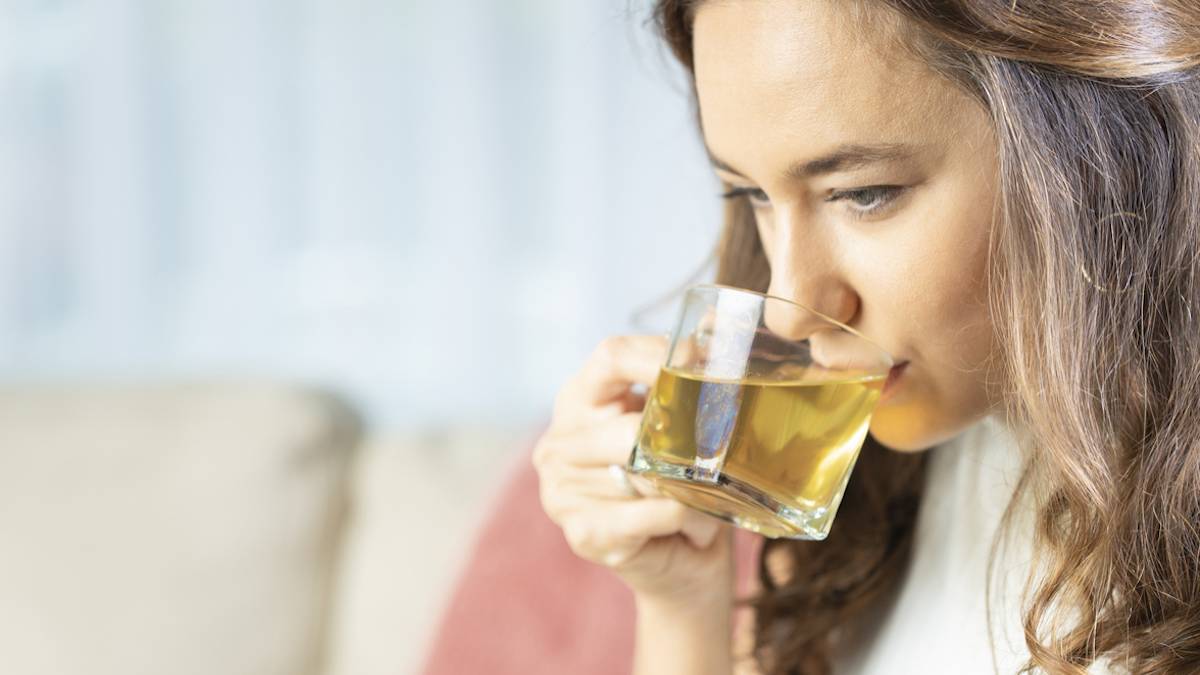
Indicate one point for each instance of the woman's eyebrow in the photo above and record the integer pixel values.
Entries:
(842, 158)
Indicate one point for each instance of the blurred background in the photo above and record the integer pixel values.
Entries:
(421, 215)
(394, 197)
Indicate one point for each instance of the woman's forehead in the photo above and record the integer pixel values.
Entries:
(769, 71)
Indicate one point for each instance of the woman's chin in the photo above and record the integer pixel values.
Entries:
(899, 444)
(910, 428)
(904, 429)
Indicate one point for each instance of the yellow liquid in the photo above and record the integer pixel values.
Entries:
(788, 446)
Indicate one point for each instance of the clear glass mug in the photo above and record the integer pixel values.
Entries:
(759, 413)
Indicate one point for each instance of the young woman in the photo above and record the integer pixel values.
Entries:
(1005, 194)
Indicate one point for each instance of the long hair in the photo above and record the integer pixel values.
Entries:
(1095, 300)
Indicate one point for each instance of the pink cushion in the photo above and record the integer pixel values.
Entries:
(527, 605)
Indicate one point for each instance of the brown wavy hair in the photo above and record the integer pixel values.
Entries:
(1095, 292)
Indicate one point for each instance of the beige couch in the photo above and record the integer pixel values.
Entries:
(226, 527)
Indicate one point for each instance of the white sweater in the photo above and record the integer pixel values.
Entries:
(936, 622)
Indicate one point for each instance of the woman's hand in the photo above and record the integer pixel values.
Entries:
(670, 555)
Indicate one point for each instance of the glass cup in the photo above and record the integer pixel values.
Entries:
(759, 412)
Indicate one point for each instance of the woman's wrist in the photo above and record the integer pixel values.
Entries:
(684, 638)
(697, 604)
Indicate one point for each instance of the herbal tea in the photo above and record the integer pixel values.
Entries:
(781, 449)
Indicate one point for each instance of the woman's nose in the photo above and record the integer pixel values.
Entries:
(806, 275)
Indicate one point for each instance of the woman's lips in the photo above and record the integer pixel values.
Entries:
(889, 385)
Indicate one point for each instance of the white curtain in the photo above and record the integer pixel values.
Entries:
(435, 207)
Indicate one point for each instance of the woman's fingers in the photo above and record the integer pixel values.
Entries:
(577, 484)
(597, 417)
(611, 533)
(616, 363)
(608, 530)
(606, 442)
(565, 489)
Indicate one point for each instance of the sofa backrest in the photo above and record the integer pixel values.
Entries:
(169, 528)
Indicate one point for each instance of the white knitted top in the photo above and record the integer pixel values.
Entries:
(936, 622)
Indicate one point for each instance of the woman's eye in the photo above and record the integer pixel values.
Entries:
(861, 202)
(869, 200)
(757, 197)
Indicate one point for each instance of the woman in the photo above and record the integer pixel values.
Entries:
(1006, 195)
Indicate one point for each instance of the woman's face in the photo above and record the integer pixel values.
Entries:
(873, 182)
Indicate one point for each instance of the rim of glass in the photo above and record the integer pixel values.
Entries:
(806, 308)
